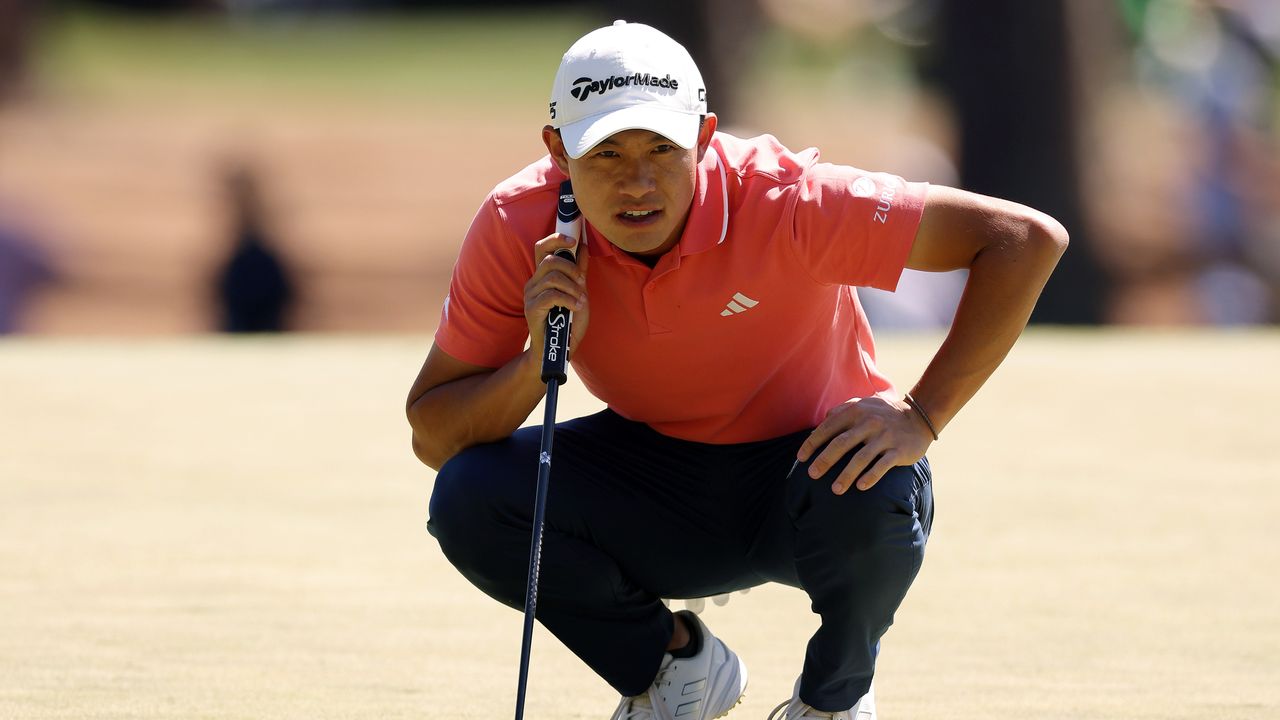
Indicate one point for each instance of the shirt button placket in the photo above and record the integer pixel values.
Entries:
(651, 308)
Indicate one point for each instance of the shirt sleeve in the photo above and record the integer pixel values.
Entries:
(482, 321)
(853, 227)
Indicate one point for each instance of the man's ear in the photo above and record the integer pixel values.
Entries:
(555, 148)
(705, 132)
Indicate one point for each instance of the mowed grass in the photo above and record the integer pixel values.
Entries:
(453, 61)
(219, 528)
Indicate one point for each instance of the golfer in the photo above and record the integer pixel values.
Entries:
(749, 436)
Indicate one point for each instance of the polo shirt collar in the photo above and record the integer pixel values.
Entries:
(708, 223)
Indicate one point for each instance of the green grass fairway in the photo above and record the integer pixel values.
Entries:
(213, 528)
(430, 58)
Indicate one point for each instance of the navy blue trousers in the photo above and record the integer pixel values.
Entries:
(634, 516)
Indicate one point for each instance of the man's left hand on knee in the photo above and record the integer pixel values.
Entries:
(882, 433)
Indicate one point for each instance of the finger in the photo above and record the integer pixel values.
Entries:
(822, 434)
(865, 456)
(581, 317)
(547, 299)
(877, 471)
(556, 272)
(569, 267)
(544, 299)
(544, 251)
(558, 262)
(840, 445)
(553, 265)
(550, 244)
(556, 281)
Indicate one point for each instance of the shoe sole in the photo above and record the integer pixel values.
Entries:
(735, 704)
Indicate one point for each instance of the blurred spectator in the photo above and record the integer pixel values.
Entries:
(1216, 63)
(24, 267)
(17, 23)
(254, 288)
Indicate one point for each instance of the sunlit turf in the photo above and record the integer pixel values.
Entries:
(411, 58)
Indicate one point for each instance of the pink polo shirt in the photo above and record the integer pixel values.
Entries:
(748, 329)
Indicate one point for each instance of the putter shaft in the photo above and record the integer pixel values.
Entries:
(535, 548)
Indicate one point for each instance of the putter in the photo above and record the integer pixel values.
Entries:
(555, 356)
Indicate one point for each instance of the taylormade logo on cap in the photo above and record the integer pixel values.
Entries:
(584, 86)
(624, 77)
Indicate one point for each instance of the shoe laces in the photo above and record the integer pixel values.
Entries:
(649, 706)
(806, 712)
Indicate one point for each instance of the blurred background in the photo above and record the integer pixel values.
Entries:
(184, 166)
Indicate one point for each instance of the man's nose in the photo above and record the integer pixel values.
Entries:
(638, 179)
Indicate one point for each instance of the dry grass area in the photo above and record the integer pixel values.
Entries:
(212, 528)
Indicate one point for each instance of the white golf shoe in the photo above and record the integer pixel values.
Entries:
(705, 686)
(797, 709)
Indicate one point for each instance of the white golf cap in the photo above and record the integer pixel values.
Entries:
(626, 76)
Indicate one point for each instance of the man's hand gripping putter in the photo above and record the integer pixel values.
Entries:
(555, 354)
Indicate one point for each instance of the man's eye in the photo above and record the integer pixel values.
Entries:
(663, 149)
(606, 154)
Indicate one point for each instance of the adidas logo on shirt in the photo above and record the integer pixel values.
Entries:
(739, 304)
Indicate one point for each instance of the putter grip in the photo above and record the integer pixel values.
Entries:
(559, 324)
(558, 328)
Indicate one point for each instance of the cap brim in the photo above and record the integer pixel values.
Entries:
(680, 128)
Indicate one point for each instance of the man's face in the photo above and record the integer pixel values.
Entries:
(635, 187)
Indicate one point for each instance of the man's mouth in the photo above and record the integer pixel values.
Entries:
(638, 217)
